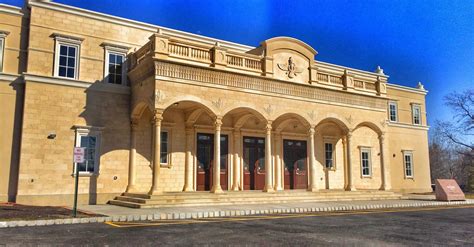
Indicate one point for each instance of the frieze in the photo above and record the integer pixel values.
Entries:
(221, 78)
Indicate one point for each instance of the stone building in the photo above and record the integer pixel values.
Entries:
(160, 110)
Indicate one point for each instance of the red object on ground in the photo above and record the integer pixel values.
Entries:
(448, 190)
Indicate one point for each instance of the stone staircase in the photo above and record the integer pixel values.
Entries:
(172, 199)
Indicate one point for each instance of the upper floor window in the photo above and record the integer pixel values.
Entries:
(408, 163)
(67, 56)
(416, 112)
(3, 35)
(366, 162)
(89, 139)
(393, 111)
(115, 67)
(115, 72)
(329, 155)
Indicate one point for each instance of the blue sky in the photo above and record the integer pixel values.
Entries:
(412, 40)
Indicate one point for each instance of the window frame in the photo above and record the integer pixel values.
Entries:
(3, 40)
(333, 155)
(394, 103)
(168, 163)
(413, 107)
(412, 169)
(88, 131)
(109, 50)
(369, 161)
(63, 40)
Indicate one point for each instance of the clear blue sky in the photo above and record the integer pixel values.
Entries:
(412, 40)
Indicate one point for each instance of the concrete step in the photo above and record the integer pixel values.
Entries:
(172, 199)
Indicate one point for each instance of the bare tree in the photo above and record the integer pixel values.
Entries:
(453, 141)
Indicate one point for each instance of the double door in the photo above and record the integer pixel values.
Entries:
(295, 159)
(254, 163)
(205, 161)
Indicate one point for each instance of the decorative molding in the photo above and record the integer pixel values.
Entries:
(98, 86)
(350, 119)
(312, 115)
(407, 89)
(159, 96)
(9, 9)
(290, 68)
(268, 109)
(246, 82)
(218, 103)
(409, 126)
(8, 77)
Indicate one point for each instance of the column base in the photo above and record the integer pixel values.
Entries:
(235, 188)
(187, 188)
(217, 190)
(268, 189)
(313, 189)
(154, 191)
(351, 189)
(131, 189)
(279, 189)
(386, 188)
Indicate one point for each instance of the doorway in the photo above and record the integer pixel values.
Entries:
(205, 161)
(254, 163)
(295, 159)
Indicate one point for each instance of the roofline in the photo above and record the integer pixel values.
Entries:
(10, 9)
(408, 89)
(137, 24)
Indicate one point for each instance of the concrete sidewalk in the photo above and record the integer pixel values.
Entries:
(116, 213)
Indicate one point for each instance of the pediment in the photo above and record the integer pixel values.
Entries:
(291, 59)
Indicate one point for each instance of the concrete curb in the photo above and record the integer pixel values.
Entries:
(227, 213)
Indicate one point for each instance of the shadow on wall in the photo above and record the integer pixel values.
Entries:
(108, 108)
(19, 88)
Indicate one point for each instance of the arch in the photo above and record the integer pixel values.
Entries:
(284, 42)
(340, 123)
(252, 109)
(370, 125)
(190, 98)
(292, 117)
(139, 108)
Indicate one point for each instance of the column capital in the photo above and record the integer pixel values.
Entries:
(134, 123)
(311, 131)
(349, 133)
(382, 137)
(157, 117)
(236, 132)
(218, 122)
(268, 127)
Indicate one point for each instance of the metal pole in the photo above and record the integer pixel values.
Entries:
(74, 209)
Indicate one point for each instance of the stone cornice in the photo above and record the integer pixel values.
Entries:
(217, 78)
(98, 86)
(407, 89)
(9, 9)
(8, 77)
(137, 24)
(408, 126)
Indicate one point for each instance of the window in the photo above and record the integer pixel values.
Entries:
(164, 148)
(392, 110)
(329, 151)
(3, 35)
(88, 139)
(365, 162)
(115, 71)
(408, 163)
(66, 62)
(416, 111)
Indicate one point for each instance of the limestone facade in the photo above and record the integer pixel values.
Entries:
(187, 86)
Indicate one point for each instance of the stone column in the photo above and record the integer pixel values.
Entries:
(384, 162)
(350, 171)
(188, 170)
(278, 168)
(132, 160)
(313, 185)
(216, 180)
(236, 162)
(268, 159)
(156, 122)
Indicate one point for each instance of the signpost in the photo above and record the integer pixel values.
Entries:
(79, 157)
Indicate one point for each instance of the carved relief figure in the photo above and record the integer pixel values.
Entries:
(291, 69)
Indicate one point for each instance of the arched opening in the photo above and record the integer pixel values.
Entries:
(291, 152)
(248, 148)
(331, 154)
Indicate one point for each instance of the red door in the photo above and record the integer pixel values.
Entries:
(294, 156)
(205, 157)
(254, 163)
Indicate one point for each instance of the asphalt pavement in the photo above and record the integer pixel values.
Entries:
(423, 226)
